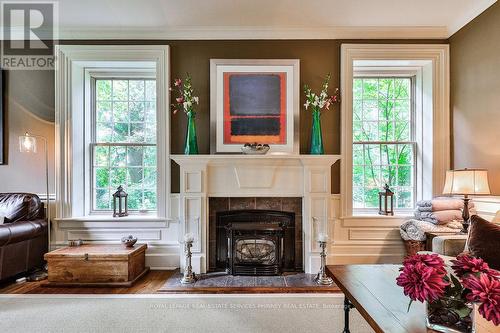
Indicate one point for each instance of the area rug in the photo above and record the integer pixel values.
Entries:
(176, 313)
(221, 283)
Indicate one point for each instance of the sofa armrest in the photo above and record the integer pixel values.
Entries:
(21, 230)
(449, 245)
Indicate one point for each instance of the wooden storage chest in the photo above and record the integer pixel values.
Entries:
(96, 265)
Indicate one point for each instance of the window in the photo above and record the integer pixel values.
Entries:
(124, 142)
(423, 148)
(384, 140)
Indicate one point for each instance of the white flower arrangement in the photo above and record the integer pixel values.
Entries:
(321, 101)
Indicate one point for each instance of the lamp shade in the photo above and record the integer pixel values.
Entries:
(27, 143)
(467, 182)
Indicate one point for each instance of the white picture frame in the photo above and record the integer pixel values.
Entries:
(291, 68)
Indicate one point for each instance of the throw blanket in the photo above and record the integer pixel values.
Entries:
(442, 216)
(435, 205)
(439, 217)
(415, 229)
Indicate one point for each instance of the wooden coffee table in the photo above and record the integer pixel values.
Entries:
(96, 266)
(372, 290)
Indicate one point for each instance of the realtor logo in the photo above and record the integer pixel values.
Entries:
(29, 31)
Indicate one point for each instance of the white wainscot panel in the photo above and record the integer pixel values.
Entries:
(370, 234)
(487, 207)
(193, 182)
(194, 220)
(319, 206)
(319, 180)
(163, 256)
(344, 253)
(192, 206)
(110, 235)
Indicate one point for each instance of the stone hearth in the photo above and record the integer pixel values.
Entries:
(221, 283)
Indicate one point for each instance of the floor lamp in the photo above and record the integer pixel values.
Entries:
(28, 144)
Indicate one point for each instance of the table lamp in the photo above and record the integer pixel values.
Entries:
(466, 182)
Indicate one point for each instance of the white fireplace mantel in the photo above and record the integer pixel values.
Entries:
(213, 158)
(204, 176)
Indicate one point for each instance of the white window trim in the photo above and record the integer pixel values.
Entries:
(73, 65)
(434, 63)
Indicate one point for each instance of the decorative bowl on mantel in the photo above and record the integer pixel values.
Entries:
(255, 149)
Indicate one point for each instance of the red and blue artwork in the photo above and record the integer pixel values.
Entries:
(255, 108)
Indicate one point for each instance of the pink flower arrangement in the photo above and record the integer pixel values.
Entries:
(485, 290)
(424, 278)
(482, 285)
(430, 260)
(465, 264)
(186, 99)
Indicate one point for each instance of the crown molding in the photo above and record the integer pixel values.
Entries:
(255, 32)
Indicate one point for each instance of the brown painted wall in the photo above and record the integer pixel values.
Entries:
(475, 95)
(29, 106)
(317, 58)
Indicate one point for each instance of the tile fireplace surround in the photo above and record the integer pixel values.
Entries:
(287, 205)
(260, 182)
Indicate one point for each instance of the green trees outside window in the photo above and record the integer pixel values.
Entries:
(383, 140)
(124, 147)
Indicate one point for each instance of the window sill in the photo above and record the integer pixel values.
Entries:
(96, 221)
(377, 216)
(374, 220)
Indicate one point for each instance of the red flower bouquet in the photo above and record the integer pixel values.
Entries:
(449, 297)
(422, 278)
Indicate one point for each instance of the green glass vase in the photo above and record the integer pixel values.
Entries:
(191, 145)
(316, 135)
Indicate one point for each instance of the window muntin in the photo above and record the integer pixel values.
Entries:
(384, 143)
(124, 142)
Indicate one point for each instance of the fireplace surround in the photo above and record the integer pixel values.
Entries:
(255, 242)
(249, 182)
(270, 223)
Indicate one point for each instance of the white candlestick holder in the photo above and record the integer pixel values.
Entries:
(189, 276)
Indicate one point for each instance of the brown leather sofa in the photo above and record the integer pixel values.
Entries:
(23, 235)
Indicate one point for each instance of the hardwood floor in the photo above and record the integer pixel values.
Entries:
(149, 284)
(155, 282)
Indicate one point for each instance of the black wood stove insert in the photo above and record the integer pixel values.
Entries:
(255, 242)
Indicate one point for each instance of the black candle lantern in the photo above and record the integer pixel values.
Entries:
(386, 201)
(120, 202)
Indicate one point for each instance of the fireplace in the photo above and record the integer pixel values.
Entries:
(217, 183)
(255, 242)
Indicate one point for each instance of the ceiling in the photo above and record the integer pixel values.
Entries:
(255, 19)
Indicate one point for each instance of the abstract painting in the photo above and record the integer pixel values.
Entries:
(255, 108)
(254, 102)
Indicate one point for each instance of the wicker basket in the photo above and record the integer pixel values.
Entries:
(413, 246)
